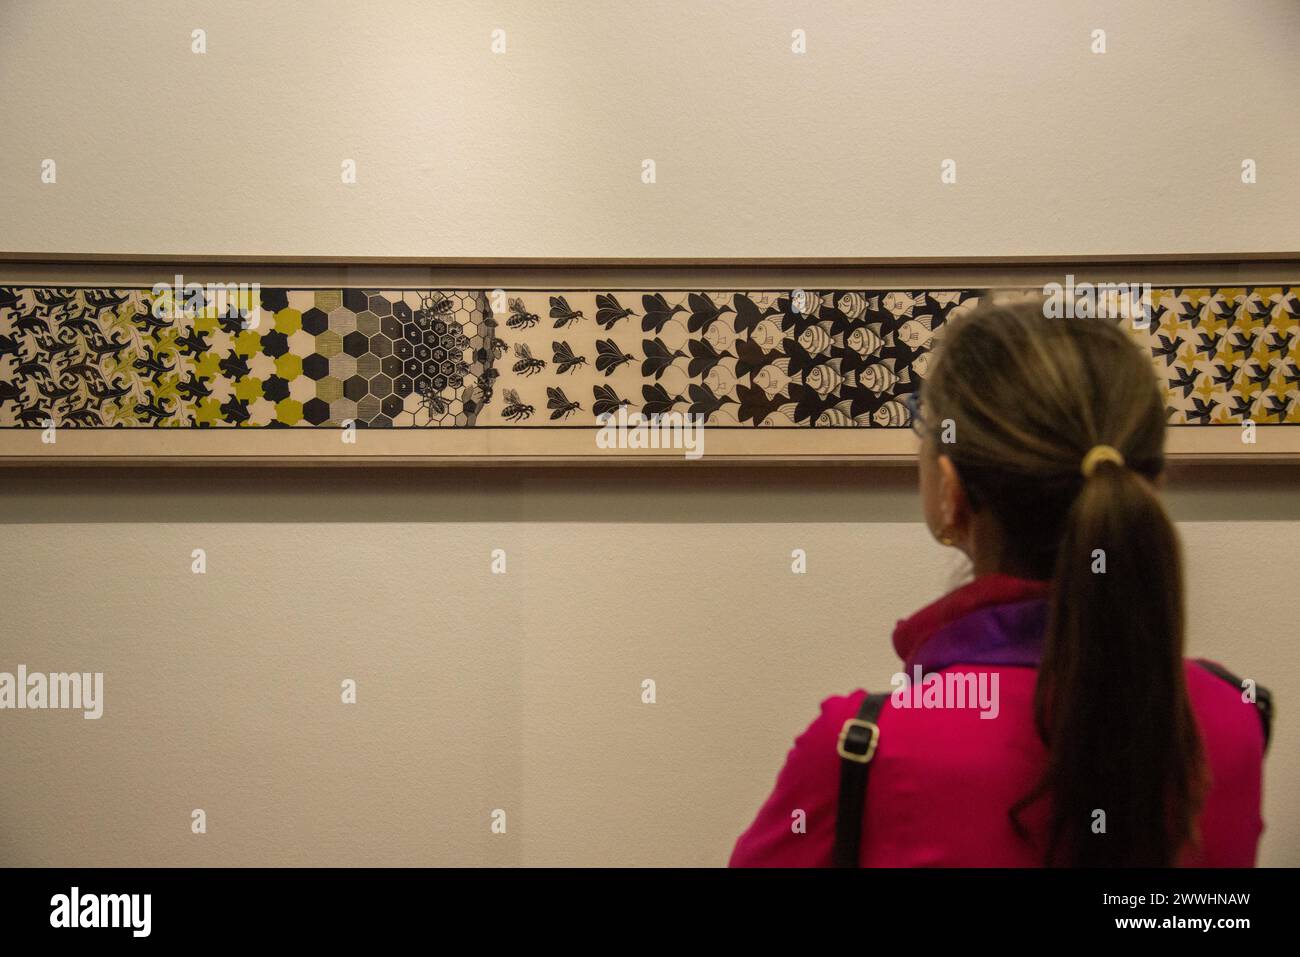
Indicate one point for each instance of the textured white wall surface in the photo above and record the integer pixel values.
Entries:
(759, 151)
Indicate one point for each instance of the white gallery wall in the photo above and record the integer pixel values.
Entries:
(758, 151)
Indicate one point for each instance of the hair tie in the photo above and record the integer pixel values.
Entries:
(1098, 454)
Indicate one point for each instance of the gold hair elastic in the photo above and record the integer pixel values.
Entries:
(1098, 454)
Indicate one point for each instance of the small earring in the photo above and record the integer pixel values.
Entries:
(947, 540)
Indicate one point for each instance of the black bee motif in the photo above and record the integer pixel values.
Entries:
(435, 305)
(609, 356)
(561, 312)
(564, 359)
(607, 401)
(430, 402)
(610, 311)
(520, 318)
(527, 365)
(559, 403)
(515, 411)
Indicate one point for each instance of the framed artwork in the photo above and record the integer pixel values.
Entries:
(237, 369)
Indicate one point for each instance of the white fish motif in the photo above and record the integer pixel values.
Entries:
(915, 333)
(782, 416)
(900, 303)
(891, 415)
(864, 341)
(880, 378)
(853, 304)
(816, 340)
(773, 378)
(824, 380)
(838, 417)
(921, 364)
(768, 334)
(720, 380)
(805, 301)
(720, 335)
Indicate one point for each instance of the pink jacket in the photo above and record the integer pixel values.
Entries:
(943, 779)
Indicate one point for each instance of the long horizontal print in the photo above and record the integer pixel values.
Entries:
(124, 358)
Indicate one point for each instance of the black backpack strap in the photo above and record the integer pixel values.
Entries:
(1263, 697)
(856, 747)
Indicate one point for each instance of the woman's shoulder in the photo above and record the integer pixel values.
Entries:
(1227, 707)
(832, 713)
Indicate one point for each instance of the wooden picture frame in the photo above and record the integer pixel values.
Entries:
(1257, 297)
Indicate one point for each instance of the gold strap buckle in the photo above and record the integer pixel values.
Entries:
(866, 756)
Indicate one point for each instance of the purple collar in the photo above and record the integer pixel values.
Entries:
(1005, 634)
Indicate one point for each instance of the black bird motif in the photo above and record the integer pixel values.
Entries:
(748, 315)
(1209, 346)
(704, 357)
(751, 357)
(1278, 406)
(704, 312)
(1260, 375)
(657, 401)
(656, 313)
(1262, 312)
(1245, 344)
(1241, 407)
(1202, 410)
(704, 402)
(1185, 379)
(1224, 376)
(658, 358)
(1279, 343)
(1167, 350)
